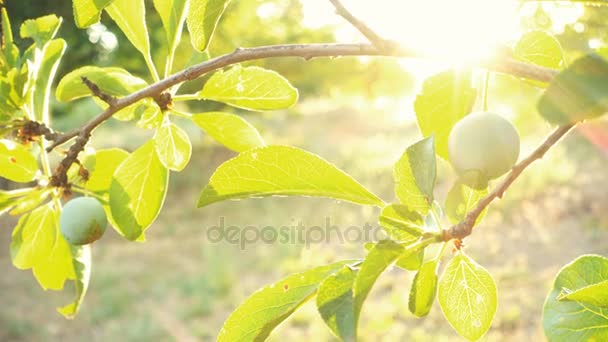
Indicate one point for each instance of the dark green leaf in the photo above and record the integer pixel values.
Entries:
(255, 319)
(579, 92)
(445, 99)
(335, 303)
(415, 175)
(566, 320)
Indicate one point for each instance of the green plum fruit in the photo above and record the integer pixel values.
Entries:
(482, 146)
(83, 221)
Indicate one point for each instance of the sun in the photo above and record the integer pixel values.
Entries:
(459, 30)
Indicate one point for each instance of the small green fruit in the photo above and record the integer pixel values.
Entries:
(83, 221)
(482, 146)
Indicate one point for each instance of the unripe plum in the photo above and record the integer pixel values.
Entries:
(83, 221)
(482, 146)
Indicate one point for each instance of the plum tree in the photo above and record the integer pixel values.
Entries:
(83, 221)
(481, 147)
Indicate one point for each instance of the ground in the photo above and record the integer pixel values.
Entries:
(181, 286)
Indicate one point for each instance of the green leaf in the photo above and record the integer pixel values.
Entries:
(10, 51)
(203, 16)
(87, 12)
(81, 260)
(57, 267)
(565, 320)
(229, 130)
(445, 99)
(112, 81)
(130, 16)
(41, 30)
(461, 199)
(101, 167)
(250, 88)
(335, 303)
(255, 319)
(282, 170)
(424, 289)
(540, 48)
(138, 190)
(401, 223)
(30, 201)
(379, 258)
(579, 92)
(172, 14)
(173, 146)
(16, 162)
(150, 116)
(595, 294)
(52, 53)
(415, 175)
(411, 262)
(467, 295)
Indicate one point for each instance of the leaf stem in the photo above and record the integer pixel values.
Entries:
(152, 67)
(88, 193)
(186, 97)
(181, 114)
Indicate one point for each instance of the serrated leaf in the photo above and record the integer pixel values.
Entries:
(461, 199)
(467, 295)
(577, 93)
(596, 294)
(101, 167)
(446, 98)
(16, 162)
(401, 223)
(52, 53)
(263, 311)
(415, 175)
(282, 170)
(81, 260)
(335, 303)
(229, 130)
(202, 19)
(173, 146)
(111, 81)
(138, 191)
(130, 16)
(540, 48)
(424, 289)
(252, 88)
(41, 30)
(87, 12)
(571, 320)
(379, 258)
(172, 14)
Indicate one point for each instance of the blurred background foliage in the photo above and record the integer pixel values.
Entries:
(358, 114)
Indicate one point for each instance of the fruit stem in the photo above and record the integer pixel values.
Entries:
(486, 83)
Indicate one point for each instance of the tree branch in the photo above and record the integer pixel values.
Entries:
(365, 30)
(465, 228)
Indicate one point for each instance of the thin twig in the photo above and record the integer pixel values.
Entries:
(465, 228)
(94, 88)
(365, 30)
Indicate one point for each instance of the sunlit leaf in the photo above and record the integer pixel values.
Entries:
(462, 199)
(424, 289)
(445, 99)
(81, 260)
(30, 201)
(16, 162)
(172, 14)
(173, 146)
(255, 319)
(411, 262)
(595, 294)
(467, 295)
(87, 12)
(229, 130)
(401, 223)
(52, 53)
(111, 81)
(577, 93)
(570, 320)
(130, 16)
(150, 116)
(101, 167)
(250, 88)
(540, 48)
(34, 237)
(282, 170)
(335, 303)
(41, 30)
(138, 190)
(203, 16)
(415, 175)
